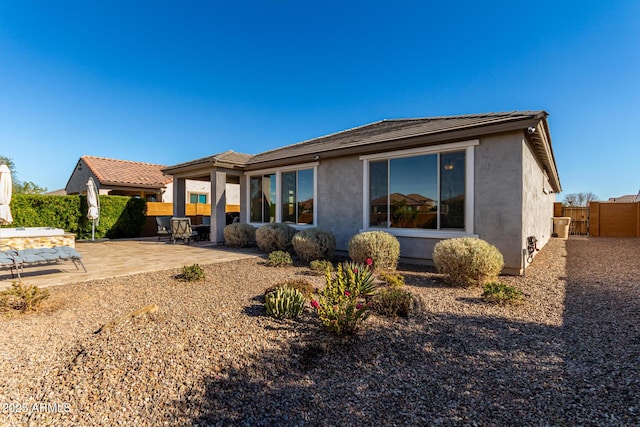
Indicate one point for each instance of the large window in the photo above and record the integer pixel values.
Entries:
(263, 198)
(420, 191)
(286, 196)
(297, 196)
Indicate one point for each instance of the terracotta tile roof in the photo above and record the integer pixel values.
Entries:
(127, 173)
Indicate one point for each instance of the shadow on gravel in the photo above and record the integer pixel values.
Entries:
(453, 370)
(602, 330)
(422, 371)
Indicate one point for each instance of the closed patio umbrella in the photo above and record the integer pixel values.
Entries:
(5, 195)
(94, 206)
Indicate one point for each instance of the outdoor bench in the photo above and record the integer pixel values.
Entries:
(17, 259)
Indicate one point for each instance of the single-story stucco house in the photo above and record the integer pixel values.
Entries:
(491, 176)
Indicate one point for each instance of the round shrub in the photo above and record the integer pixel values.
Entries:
(314, 243)
(274, 236)
(468, 261)
(279, 259)
(379, 246)
(393, 302)
(239, 235)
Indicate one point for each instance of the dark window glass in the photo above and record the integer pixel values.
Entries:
(304, 196)
(379, 194)
(452, 179)
(288, 197)
(262, 195)
(413, 192)
(425, 192)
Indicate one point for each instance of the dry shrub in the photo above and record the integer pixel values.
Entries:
(314, 243)
(381, 247)
(274, 237)
(21, 297)
(239, 235)
(468, 261)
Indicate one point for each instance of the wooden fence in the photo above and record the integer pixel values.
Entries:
(614, 219)
(191, 209)
(195, 211)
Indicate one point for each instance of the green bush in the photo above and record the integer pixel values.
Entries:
(22, 297)
(501, 293)
(321, 265)
(393, 302)
(285, 303)
(239, 235)
(302, 285)
(340, 305)
(468, 261)
(314, 243)
(393, 279)
(279, 259)
(192, 273)
(382, 248)
(120, 216)
(275, 237)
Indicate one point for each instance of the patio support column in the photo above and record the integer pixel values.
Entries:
(218, 206)
(179, 197)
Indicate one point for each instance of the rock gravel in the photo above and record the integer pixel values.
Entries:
(569, 355)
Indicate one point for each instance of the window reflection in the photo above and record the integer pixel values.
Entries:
(263, 196)
(418, 192)
(452, 179)
(413, 192)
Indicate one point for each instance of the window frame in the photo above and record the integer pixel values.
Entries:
(278, 173)
(467, 147)
(197, 194)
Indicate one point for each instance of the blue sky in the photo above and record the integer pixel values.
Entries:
(167, 82)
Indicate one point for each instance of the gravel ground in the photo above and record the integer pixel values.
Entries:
(570, 355)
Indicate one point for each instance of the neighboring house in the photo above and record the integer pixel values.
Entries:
(628, 198)
(136, 179)
(119, 178)
(491, 176)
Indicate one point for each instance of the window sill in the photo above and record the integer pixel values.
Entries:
(424, 234)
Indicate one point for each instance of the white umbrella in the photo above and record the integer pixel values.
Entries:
(93, 201)
(5, 195)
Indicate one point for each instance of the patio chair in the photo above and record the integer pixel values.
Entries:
(164, 227)
(181, 229)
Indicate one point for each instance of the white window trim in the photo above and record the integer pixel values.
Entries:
(278, 173)
(468, 231)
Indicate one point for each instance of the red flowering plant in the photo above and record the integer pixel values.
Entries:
(341, 305)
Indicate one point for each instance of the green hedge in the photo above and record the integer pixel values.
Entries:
(120, 216)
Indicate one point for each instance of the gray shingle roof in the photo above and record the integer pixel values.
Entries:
(389, 130)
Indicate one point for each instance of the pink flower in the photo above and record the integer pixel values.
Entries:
(369, 262)
(315, 304)
(347, 293)
(358, 306)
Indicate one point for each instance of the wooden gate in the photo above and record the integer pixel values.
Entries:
(579, 224)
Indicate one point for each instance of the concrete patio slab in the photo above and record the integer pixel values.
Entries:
(113, 258)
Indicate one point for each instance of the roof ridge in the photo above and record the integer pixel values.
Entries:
(464, 116)
(121, 160)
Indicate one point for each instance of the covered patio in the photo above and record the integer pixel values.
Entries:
(221, 171)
